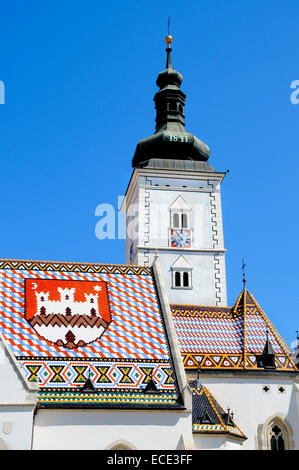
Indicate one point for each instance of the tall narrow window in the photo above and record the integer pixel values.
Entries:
(176, 220)
(177, 279)
(185, 279)
(184, 221)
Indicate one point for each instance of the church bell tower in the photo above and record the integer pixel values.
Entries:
(173, 203)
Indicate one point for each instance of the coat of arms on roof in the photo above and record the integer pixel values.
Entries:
(70, 314)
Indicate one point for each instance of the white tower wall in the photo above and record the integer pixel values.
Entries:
(150, 200)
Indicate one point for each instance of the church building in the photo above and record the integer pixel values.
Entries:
(147, 354)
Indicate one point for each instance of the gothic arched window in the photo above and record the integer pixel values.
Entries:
(276, 438)
(275, 434)
(121, 445)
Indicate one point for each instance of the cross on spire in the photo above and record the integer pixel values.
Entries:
(168, 41)
(243, 271)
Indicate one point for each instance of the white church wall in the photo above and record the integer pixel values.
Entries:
(253, 406)
(296, 393)
(200, 217)
(216, 442)
(204, 278)
(17, 403)
(99, 429)
(132, 224)
(16, 427)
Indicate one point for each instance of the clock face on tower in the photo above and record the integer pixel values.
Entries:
(180, 238)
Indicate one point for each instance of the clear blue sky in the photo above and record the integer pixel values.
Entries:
(80, 80)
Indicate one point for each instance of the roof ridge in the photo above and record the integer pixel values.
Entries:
(71, 262)
(234, 308)
(209, 395)
(194, 305)
(244, 329)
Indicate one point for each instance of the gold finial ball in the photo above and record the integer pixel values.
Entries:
(168, 39)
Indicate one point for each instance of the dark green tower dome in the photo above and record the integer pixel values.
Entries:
(171, 146)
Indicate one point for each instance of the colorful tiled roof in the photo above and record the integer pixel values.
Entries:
(228, 338)
(208, 417)
(67, 323)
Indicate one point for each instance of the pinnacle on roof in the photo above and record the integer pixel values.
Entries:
(88, 386)
(267, 359)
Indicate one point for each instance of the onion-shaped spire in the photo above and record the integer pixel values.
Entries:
(171, 145)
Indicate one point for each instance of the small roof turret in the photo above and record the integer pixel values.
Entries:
(267, 358)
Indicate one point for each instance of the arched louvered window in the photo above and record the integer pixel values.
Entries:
(180, 220)
(184, 221)
(176, 220)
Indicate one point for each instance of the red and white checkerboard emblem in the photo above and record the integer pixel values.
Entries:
(67, 313)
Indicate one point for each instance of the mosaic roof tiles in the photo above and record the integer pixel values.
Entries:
(67, 322)
(208, 417)
(227, 338)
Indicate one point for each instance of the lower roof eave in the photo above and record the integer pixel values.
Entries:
(222, 433)
(249, 372)
(120, 407)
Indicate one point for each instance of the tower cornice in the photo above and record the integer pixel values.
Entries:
(173, 174)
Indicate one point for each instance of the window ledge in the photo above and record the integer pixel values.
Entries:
(182, 287)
